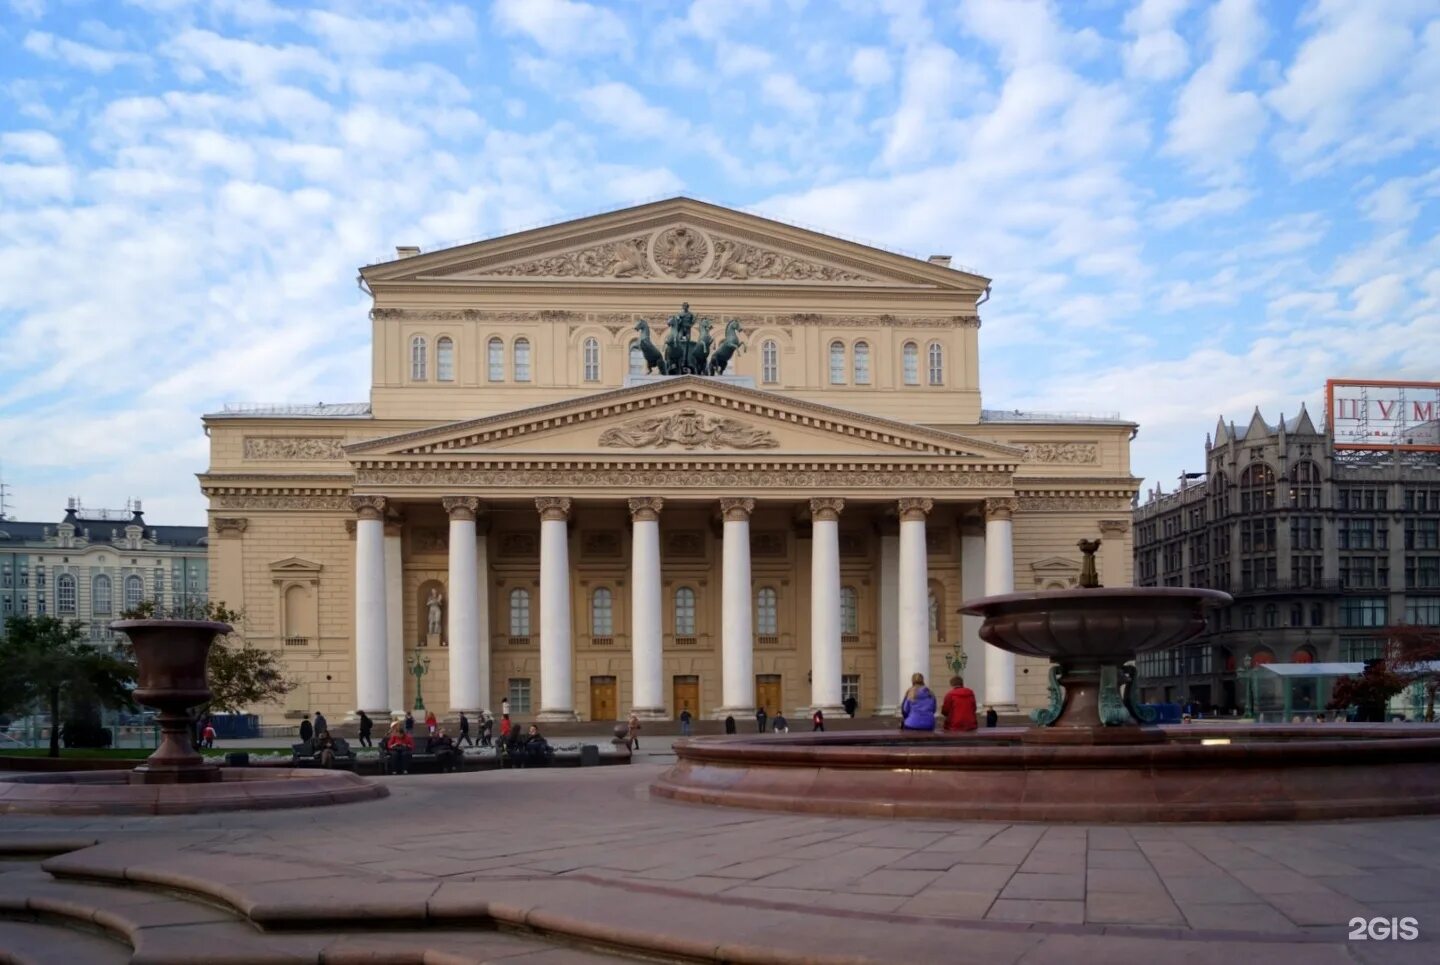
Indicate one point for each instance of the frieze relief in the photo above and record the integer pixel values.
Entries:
(685, 544)
(741, 261)
(627, 320)
(720, 476)
(613, 259)
(601, 545)
(339, 503)
(688, 429)
(430, 539)
(1072, 504)
(767, 545)
(521, 545)
(1072, 453)
(294, 447)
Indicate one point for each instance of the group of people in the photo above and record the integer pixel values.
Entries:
(957, 712)
(317, 734)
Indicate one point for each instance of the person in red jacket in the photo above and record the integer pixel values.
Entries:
(398, 748)
(959, 706)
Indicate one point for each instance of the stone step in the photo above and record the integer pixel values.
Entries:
(50, 943)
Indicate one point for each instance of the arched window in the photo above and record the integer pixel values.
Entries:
(849, 611)
(522, 360)
(1272, 615)
(495, 360)
(937, 364)
(837, 363)
(591, 354)
(100, 594)
(602, 613)
(519, 612)
(684, 612)
(637, 358)
(445, 359)
(1305, 489)
(911, 356)
(767, 612)
(134, 591)
(769, 362)
(418, 357)
(1257, 487)
(862, 363)
(65, 594)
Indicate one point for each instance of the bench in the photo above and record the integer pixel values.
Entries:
(424, 761)
(303, 755)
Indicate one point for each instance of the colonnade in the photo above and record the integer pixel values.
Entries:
(904, 598)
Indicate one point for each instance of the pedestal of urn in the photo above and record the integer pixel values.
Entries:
(170, 656)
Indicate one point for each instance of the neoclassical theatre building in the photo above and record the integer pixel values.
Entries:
(533, 505)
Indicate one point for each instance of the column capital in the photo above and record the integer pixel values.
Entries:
(646, 508)
(736, 508)
(826, 508)
(915, 507)
(553, 507)
(394, 526)
(461, 508)
(1002, 507)
(229, 526)
(368, 507)
(1114, 527)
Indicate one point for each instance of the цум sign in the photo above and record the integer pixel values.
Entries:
(1383, 415)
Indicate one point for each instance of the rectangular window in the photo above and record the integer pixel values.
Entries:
(1422, 572)
(1363, 611)
(519, 693)
(1306, 571)
(849, 686)
(1356, 649)
(1364, 571)
(1422, 534)
(1422, 500)
(24, 578)
(1306, 533)
(7, 579)
(495, 360)
(6, 605)
(1423, 611)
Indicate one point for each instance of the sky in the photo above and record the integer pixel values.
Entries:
(1189, 208)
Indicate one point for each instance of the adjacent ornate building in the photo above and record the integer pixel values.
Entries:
(95, 563)
(528, 510)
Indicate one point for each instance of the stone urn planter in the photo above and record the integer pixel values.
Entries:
(170, 656)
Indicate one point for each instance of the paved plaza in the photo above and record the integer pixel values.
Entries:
(577, 865)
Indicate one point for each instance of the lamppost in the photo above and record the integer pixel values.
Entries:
(1249, 674)
(956, 659)
(419, 667)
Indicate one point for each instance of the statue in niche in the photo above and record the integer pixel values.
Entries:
(434, 613)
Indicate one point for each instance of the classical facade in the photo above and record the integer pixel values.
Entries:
(1320, 548)
(95, 563)
(533, 506)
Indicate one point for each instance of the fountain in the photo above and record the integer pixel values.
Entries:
(1091, 755)
(170, 657)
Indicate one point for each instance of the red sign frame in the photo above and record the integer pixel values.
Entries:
(1335, 416)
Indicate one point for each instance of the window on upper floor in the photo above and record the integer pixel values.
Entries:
(522, 360)
(1257, 488)
(849, 611)
(602, 613)
(65, 594)
(910, 356)
(445, 360)
(100, 601)
(519, 612)
(134, 591)
(1305, 485)
(495, 360)
(637, 358)
(837, 363)
(862, 363)
(767, 612)
(684, 612)
(590, 353)
(418, 358)
(769, 362)
(937, 363)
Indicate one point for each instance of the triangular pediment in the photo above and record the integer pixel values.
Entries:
(678, 240)
(295, 565)
(685, 415)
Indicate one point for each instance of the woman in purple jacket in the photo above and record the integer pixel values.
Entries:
(917, 710)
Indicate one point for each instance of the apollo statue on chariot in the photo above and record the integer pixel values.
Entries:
(685, 351)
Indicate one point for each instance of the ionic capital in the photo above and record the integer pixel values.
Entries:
(553, 507)
(230, 526)
(646, 508)
(1114, 527)
(915, 507)
(461, 508)
(368, 507)
(736, 508)
(1002, 507)
(826, 508)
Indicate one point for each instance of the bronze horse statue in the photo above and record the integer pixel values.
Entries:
(653, 359)
(727, 348)
(700, 348)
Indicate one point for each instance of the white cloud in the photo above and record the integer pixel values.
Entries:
(1216, 122)
(785, 92)
(1158, 52)
(1181, 211)
(32, 145)
(80, 55)
(565, 27)
(870, 67)
(935, 81)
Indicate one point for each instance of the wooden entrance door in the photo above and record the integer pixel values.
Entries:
(767, 693)
(686, 696)
(602, 698)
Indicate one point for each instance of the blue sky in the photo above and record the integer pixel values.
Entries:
(1189, 207)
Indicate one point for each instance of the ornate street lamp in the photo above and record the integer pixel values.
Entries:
(419, 667)
(1249, 674)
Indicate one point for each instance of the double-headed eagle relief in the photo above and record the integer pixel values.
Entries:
(689, 347)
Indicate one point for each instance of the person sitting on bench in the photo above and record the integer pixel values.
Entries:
(444, 748)
(398, 747)
(324, 749)
(536, 749)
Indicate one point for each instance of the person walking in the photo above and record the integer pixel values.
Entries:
(685, 719)
(487, 728)
(366, 727)
(851, 705)
(464, 731)
(307, 729)
(505, 728)
(760, 719)
(320, 722)
(431, 724)
(817, 720)
(409, 722)
(917, 709)
(958, 708)
(207, 736)
(633, 731)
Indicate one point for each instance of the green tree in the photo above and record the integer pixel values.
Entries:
(1414, 652)
(45, 659)
(1370, 692)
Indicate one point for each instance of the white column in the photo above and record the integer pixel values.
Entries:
(914, 594)
(395, 615)
(463, 625)
(482, 609)
(372, 689)
(999, 578)
(646, 639)
(972, 586)
(889, 685)
(737, 639)
(557, 665)
(825, 659)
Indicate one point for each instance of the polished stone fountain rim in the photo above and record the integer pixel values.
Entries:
(1011, 602)
(239, 789)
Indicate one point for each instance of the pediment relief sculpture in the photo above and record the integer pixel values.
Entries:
(1074, 453)
(613, 259)
(741, 262)
(688, 429)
